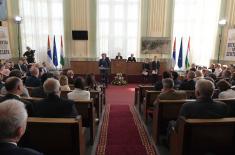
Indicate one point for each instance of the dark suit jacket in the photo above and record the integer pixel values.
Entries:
(146, 66)
(55, 107)
(172, 95)
(11, 149)
(104, 63)
(32, 81)
(158, 85)
(155, 65)
(118, 57)
(204, 108)
(131, 59)
(38, 92)
(28, 105)
(188, 85)
(21, 67)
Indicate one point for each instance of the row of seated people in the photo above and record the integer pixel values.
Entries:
(49, 88)
(204, 107)
(222, 84)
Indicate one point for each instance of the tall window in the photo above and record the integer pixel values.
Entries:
(118, 27)
(197, 19)
(40, 19)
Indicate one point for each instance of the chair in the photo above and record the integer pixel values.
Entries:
(165, 111)
(203, 136)
(55, 136)
(87, 111)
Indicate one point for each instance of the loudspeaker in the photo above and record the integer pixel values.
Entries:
(80, 35)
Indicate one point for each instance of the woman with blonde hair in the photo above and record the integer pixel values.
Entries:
(64, 85)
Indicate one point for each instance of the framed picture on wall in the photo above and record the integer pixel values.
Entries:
(155, 45)
(3, 10)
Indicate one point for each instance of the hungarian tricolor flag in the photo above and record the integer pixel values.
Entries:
(61, 53)
(174, 54)
(187, 65)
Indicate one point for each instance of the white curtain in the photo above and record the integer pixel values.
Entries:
(197, 19)
(118, 24)
(40, 19)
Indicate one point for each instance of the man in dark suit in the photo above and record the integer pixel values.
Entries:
(158, 85)
(118, 57)
(104, 65)
(33, 80)
(131, 58)
(14, 87)
(39, 92)
(189, 83)
(204, 106)
(13, 120)
(20, 66)
(53, 106)
(169, 93)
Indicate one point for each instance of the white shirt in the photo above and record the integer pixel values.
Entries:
(227, 94)
(78, 94)
(217, 71)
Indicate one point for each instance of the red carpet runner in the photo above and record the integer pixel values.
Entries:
(122, 133)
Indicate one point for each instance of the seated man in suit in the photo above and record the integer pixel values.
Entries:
(14, 87)
(33, 80)
(39, 92)
(118, 57)
(54, 106)
(168, 91)
(204, 106)
(131, 58)
(189, 83)
(13, 120)
(20, 66)
(158, 85)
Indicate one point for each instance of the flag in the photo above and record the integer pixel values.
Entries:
(49, 56)
(187, 65)
(61, 53)
(55, 60)
(180, 58)
(174, 54)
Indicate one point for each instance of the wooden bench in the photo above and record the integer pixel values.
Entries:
(202, 136)
(142, 89)
(60, 136)
(151, 96)
(165, 111)
(97, 97)
(87, 110)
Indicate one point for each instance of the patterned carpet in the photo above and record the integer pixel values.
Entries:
(122, 131)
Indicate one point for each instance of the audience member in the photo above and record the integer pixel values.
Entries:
(212, 67)
(39, 91)
(158, 85)
(53, 106)
(226, 74)
(20, 66)
(189, 83)
(198, 75)
(204, 106)
(225, 89)
(14, 87)
(232, 81)
(193, 67)
(177, 82)
(70, 76)
(16, 73)
(33, 80)
(218, 70)
(13, 120)
(131, 58)
(91, 83)
(79, 93)
(168, 91)
(64, 85)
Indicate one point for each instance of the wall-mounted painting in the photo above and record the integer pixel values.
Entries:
(3, 10)
(155, 45)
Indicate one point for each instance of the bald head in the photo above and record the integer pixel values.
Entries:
(204, 88)
(51, 86)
